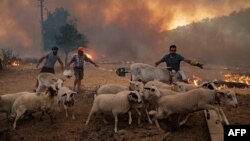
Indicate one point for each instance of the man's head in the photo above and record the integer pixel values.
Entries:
(172, 49)
(80, 50)
(54, 50)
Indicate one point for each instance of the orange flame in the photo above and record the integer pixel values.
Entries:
(222, 87)
(89, 56)
(195, 80)
(237, 78)
(15, 64)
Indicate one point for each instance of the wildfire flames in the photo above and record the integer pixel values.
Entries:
(89, 56)
(195, 80)
(15, 64)
(237, 78)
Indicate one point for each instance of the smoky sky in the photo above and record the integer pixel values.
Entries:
(131, 29)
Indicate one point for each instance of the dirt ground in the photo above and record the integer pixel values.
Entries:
(24, 78)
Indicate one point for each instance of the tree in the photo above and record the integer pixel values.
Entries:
(52, 25)
(7, 55)
(69, 39)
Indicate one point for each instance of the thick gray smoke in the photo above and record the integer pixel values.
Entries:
(133, 29)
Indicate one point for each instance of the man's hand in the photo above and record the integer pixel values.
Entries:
(195, 63)
(157, 63)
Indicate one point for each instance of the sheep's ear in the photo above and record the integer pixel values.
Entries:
(131, 82)
(47, 91)
(72, 94)
(221, 93)
(131, 94)
(54, 79)
(210, 86)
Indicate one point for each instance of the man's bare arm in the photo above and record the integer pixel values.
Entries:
(61, 63)
(92, 62)
(40, 61)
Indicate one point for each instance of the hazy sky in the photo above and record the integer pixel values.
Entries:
(115, 28)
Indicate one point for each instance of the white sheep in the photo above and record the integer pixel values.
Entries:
(158, 84)
(46, 80)
(66, 97)
(111, 89)
(118, 103)
(28, 103)
(144, 72)
(7, 100)
(116, 88)
(151, 95)
(183, 87)
(192, 101)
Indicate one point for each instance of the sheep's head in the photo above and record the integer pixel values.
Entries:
(151, 92)
(59, 83)
(69, 98)
(52, 91)
(208, 85)
(134, 97)
(227, 97)
(136, 86)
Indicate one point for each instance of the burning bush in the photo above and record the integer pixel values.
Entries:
(9, 57)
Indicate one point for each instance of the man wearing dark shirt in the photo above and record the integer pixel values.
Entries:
(174, 59)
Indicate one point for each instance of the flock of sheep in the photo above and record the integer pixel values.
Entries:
(147, 92)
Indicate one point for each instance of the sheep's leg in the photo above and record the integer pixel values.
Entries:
(73, 115)
(41, 116)
(93, 110)
(139, 116)
(156, 121)
(66, 111)
(58, 106)
(48, 112)
(155, 113)
(208, 114)
(149, 119)
(116, 121)
(223, 117)
(19, 113)
(104, 119)
(129, 118)
(184, 120)
(215, 109)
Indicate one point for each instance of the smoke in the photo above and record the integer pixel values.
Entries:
(123, 29)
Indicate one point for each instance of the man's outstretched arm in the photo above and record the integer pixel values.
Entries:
(40, 61)
(92, 62)
(158, 63)
(193, 63)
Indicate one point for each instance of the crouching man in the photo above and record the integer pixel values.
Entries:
(173, 61)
